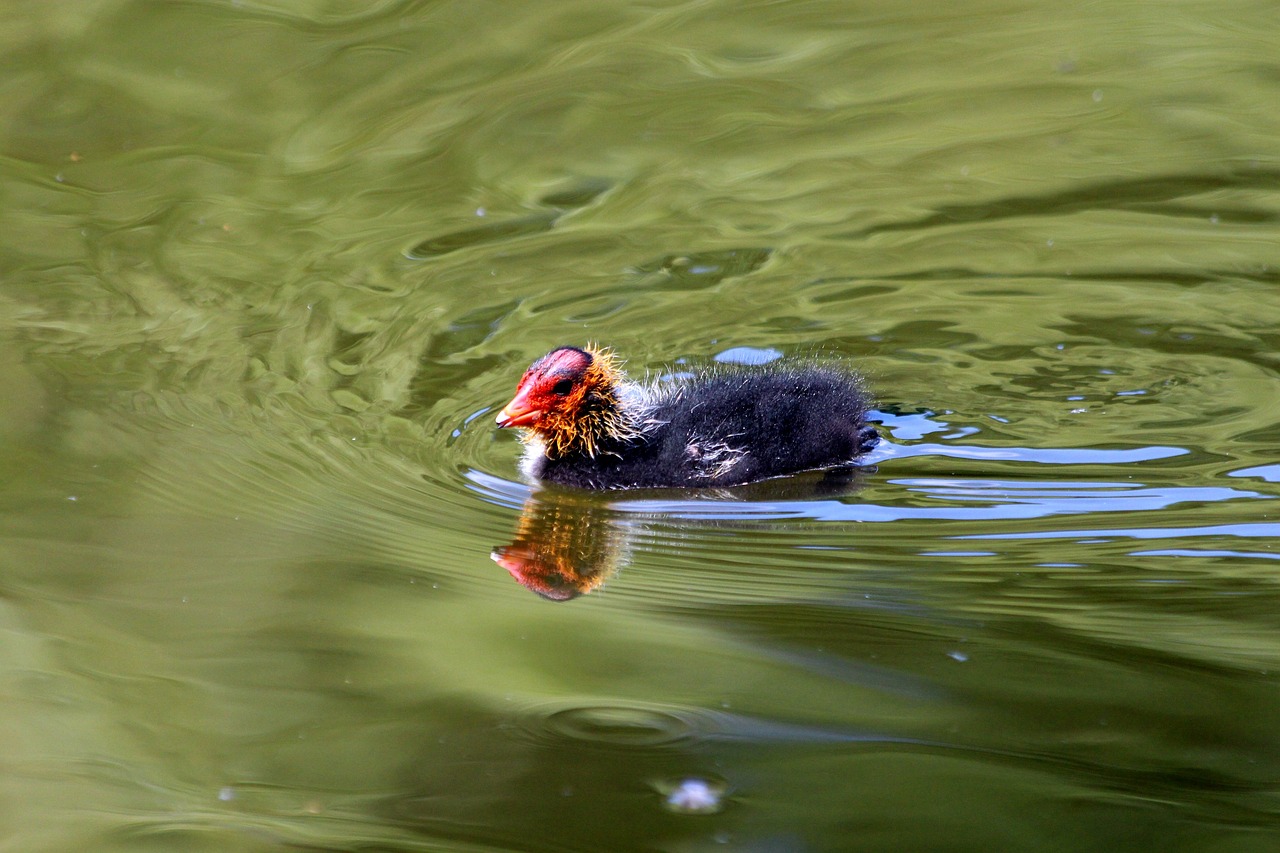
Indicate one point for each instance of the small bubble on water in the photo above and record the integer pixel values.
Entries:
(1213, 219)
(1097, 96)
(958, 656)
(480, 211)
(227, 794)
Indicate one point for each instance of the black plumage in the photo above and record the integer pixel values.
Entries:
(726, 429)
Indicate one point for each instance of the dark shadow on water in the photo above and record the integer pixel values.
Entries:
(1157, 194)
(551, 208)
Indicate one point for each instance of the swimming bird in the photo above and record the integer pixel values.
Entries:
(590, 427)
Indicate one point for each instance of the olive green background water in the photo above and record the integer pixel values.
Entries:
(268, 269)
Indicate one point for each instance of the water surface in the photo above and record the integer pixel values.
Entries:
(269, 268)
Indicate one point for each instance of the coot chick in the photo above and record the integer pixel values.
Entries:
(589, 427)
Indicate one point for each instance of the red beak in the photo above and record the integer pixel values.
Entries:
(518, 413)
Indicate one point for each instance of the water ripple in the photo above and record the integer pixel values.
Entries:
(649, 727)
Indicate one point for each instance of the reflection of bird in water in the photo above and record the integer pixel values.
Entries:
(563, 547)
(568, 543)
(591, 428)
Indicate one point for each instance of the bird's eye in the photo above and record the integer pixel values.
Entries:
(562, 388)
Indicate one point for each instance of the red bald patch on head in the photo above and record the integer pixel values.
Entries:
(546, 387)
(566, 362)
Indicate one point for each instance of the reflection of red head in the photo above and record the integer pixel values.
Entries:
(564, 547)
(546, 578)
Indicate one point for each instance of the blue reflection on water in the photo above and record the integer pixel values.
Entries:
(1254, 530)
(1270, 473)
(1044, 456)
(1196, 552)
(748, 355)
(953, 499)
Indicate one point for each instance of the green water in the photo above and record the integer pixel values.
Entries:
(268, 269)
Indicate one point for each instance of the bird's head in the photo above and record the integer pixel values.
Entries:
(568, 398)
